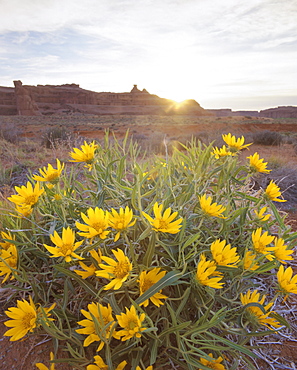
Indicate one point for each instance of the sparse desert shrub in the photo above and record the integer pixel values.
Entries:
(13, 175)
(30, 146)
(141, 139)
(267, 138)
(156, 143)
(286, 178)
(295, 147)
(56, 136)
(10, 133)
(168, 263)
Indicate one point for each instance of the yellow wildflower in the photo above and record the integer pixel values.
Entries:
(257, 164)
(50, 174)
(221, 152)
(272, 192)
(249, 261)
(101, 365)
(57, 197)
(281, 253)
(103, 317)
(89, 270)
(205, 270)
(65, 246)
(97, 221)
(287, 282)
(211, 209)
(24, 319)
(223, 254)
(260, 243)
(164, 223)
(235, 144)
(121, 220)
(260, 317)
(118, 272)
(213, 364)
(147, 368)
(261, 216)
(27, 195)
(24, 210)
(41, 366)
(6, 238)
(131, 324)
(146, 280)
(8, 261)
(86, 154)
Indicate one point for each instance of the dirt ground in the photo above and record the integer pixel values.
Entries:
(91, 126)
(22, 355)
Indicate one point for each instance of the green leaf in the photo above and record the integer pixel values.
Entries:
(255, 304)
(235, 346)
(170, 278)
(277, 215)
(191, 240)
(280, 319)
(148, 257)
(175, 329)
(88, 287)
(291, 237)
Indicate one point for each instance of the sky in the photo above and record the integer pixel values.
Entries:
(234, 54)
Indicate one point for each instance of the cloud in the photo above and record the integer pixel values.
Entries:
(255, 102)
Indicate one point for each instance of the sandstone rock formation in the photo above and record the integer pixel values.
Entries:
(7, 101)
(279, 112)
(70, 98)
(29, 100)
(25, 105)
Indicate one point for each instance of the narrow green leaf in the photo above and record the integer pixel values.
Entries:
(88, 287)
(277, 215)
(233, 345)
(148, 257)
(291, 237)
(191, 240)
(183, 302)
(145, 233)
(170, 278)
(175, 329)
(255, 304)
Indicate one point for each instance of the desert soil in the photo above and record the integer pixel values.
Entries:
(174, 126)
(22, 355)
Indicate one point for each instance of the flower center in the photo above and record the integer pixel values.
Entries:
(99, 226)
(28, 321)
(31, 199)
(121, 269)
(212, 365)
(162, 224)
(132, 324)
(66, 249)
(88, 157)
(146, 284)
(260, 247)
(52, 176)
(120, 224)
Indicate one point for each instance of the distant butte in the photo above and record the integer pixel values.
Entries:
(26, 100)
(279, 112)
(45, 100)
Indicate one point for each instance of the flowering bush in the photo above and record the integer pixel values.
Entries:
(134, 263)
